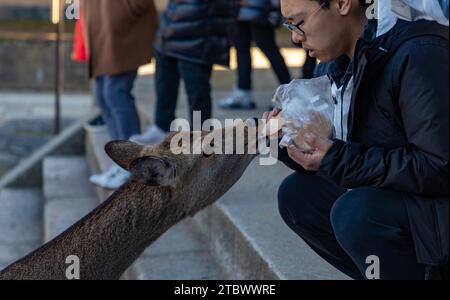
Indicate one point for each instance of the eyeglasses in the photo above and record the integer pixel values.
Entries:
(296, 27)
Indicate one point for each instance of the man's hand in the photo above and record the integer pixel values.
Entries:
(271, 114)
(311, 161)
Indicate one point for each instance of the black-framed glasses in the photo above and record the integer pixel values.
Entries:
(296, 27)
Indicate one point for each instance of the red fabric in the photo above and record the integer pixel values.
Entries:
(79, 52)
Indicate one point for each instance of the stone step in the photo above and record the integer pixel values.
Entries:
(67, 192)
(98, 161)
(250, 239)
(20, 223)
(244, 229)
(181, 253)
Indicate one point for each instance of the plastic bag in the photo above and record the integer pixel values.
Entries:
(413, 10)
(307, 106)
(410, 10)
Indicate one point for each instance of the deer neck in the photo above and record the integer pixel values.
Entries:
(108, 240)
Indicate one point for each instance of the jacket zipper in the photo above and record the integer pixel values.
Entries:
(428, 272)
(342, 113)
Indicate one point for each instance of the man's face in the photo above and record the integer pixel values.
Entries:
(324, 28)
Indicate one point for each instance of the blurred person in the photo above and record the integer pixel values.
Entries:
(118, 37)
(194, 35)
(257, 21)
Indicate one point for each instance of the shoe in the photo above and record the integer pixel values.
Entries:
(153, 135)
(239, 99)
(112, 179)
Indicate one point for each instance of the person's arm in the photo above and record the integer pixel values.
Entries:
(421, 167)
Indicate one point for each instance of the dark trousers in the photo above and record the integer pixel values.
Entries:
(309, 67)
(264, 37)
(346, 227)
(196, 77)
(117, 105)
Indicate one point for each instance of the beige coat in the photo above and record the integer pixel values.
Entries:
(119, 34)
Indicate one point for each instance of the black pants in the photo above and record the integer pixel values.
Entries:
(264, 37)
(309, 67)
(196, 77)
(345, 228)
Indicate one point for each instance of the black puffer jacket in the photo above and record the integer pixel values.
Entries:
(265, 12)
(399, 129)
(197, 30)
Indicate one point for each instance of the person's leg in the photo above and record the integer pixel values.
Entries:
(119, 97)
(167, 79)
(104, 108)
(112, 95)
(196, 79)
(305, 201)
(370, 221)
(241, 97)
(309, 67)
(264, 37)
(243, 41)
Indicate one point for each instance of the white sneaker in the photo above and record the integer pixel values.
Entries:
(112, 179)
(239, 99)
(153, 135)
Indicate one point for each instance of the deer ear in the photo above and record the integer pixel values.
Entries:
(153, 171)
(123, 153)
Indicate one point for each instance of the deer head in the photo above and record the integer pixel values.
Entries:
(196, 180)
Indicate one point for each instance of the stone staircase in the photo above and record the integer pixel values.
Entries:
(241, 236)
(67, 193)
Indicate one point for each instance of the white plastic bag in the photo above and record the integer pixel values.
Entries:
(307, 106)
(413, 10)
(410, 10)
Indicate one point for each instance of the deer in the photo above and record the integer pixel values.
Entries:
(164, 189)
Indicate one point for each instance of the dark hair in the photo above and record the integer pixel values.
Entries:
(363, 3)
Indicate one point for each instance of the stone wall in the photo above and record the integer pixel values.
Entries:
(28, 64)
(37, 9)
(24, 10)
(25, 2)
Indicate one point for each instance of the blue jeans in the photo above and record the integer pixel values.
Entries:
(346, 227)
(196, 77)
(116, 102)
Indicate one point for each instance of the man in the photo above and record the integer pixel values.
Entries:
(119, 37)
(380, 189)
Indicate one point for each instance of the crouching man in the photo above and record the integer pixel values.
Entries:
(379, 191)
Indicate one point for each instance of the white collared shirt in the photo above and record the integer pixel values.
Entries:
(342, 101)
